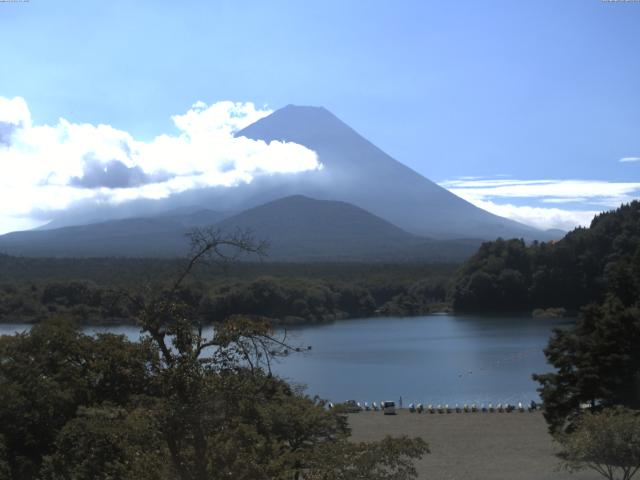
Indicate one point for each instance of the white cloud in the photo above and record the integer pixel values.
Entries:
(589, 197)
(630, 159)
(14, 111)
(51, 167)
(564, 200)
(604, 193)
(540, 217)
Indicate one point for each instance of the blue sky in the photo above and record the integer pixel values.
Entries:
(511, 91)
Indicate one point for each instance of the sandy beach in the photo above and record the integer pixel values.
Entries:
(474, 446)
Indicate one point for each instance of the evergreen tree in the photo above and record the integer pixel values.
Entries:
(597, 364)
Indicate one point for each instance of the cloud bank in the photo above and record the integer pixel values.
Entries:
(52, 167)
(528, 201)
(630, 159)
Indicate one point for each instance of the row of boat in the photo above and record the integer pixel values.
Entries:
(354, 406)
(473, 408)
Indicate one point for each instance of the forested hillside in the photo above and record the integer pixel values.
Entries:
(508, 275)
(297, 229)
(103, 291)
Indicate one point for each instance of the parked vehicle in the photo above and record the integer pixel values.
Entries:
(388, 407)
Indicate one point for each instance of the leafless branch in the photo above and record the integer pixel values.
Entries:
(212, 243)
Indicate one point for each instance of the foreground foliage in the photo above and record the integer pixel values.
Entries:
(178, 404)
(48, 374)
(597, 364)
(607, 442)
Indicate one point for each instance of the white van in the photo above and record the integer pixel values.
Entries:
(389, 408)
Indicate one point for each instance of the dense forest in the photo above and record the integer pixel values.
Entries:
(107, 291)
(508, 275)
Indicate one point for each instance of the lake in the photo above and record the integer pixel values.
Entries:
(430, 359)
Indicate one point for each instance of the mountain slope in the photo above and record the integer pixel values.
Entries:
(132, 237)
(301, 228)
(358, 172)
(298, 228)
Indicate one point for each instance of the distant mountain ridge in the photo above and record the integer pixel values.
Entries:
(132, 237)
(298, 228)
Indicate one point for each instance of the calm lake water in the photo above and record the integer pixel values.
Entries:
(431, 359)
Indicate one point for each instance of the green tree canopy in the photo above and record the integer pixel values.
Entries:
(607, 442)
(597, 363)
(581, 268)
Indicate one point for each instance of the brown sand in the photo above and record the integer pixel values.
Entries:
(473, 446)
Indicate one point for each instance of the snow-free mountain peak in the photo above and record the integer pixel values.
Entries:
(358, 172)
